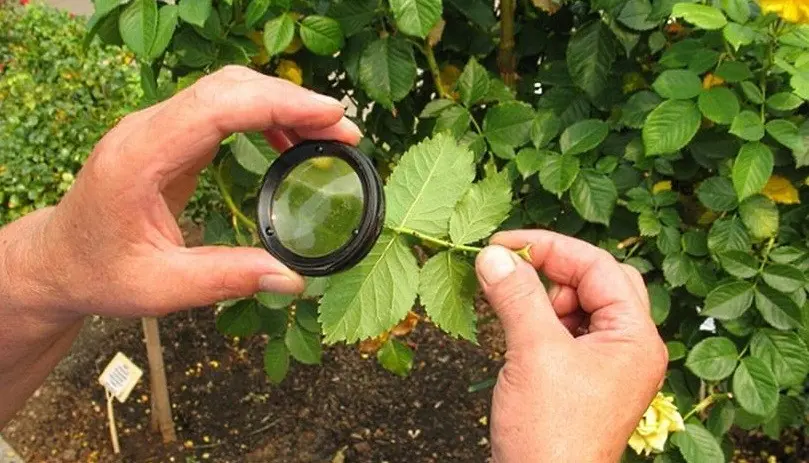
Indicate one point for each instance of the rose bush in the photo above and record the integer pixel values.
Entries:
(672, 134)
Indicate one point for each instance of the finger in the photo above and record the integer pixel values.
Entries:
(278, 139)
(345, 130)
(516, 294)
(637, 283)
(603, 288)
(197, 277)
(574, 322)
(564, 300)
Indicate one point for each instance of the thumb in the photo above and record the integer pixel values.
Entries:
(514, 290)
(206, 275)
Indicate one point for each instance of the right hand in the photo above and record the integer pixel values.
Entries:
(560, 397)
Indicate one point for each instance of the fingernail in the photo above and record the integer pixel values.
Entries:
(279, 284)
(327, 100)
(496, 264)
(350, 125)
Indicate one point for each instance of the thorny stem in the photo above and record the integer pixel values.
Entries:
(435, 241)
(435, 71)
(506, 59)
(234, 209)
(707, 402)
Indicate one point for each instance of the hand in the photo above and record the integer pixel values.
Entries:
(113, 246)
(562, 397)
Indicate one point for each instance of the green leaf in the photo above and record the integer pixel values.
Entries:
(777, 308)
(670, 127)
(583, 136)
(273, 322)
(353, 15)
(195, 12)
(218, 230)
(594, 195)
(660, 300)
(373, 296)
(677, 84)
(783, 277)
(276, 360)
(678, 269)
(321, 35)
(786, 133)
(508, 125)
(138, 26)
(703, 16)
(454, 120)
(255, 11)
(529, 161)
(278, 34)
(752, 169)
(649, 224)
(558, 172)
(784, 101)
(755, 388)
(760, 216)
(635, 14)
(303, 345)
(784, 352)
(252, 152)
(739, 264)
(676, 350)
(738, 35)
(166, 23)
(720, 418)
(752, 92)
(193, 50)
(481, 210)
(728, 234)
(395, 357)
(747, 126)
(729, 301)
(637, 107)
(590, 54)
(669, 240)
(241, 319)
(717, 194)
(713, 359)
(435, 107)
(447, 290)
(545, 128)
(416, 17)
(275, 301)
(473, 83)
(388, 70)
(427, 184)
(719, 104)
(696, 444)
(734, 71)
(737, 10)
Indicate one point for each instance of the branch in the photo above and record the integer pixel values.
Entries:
(435, 71)
(435, 241)
(506, 59)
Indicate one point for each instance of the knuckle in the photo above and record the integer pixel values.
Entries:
(515, 292)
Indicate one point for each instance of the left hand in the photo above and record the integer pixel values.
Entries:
(113, 246)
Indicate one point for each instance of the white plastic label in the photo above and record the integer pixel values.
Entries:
(120, 377)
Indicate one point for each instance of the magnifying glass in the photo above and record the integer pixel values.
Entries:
(321, 208)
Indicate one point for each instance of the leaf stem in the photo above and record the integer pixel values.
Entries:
(765, 257)
(435, 241)
(707, 402)
(234, 209)
(474, 122)
(435, 71)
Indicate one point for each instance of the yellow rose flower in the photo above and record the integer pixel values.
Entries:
(794, 11)
(652, 432)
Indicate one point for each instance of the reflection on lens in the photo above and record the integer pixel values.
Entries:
(317, 207)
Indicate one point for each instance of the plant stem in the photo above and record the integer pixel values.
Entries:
(433, 240)
(707, 402)
(506, 59)
(474, 122)
(435, 71)
(234, 209)
(766, 255)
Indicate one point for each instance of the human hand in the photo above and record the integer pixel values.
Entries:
(562, 397)
(113, 246)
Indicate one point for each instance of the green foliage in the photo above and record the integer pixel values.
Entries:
(672, 134)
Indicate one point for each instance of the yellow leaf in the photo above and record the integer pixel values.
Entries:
(294, 47)
(548, 6)
(659, 187)
(289, 70)
(406, 326)
(711, 80)
(781, 190)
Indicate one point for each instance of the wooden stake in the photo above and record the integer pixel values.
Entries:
(161, 405)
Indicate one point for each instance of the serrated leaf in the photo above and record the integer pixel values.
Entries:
(138, 26)
(781, 191)
(545, 128)
(729, 301)
(777, 308)
(784, 352)
(481, 210)
(454, 120)
(508, 125)
(738, 35)
(719, 105)
(590, 54)
(593, 196)
(755, 388)
(255, 11)
(677, 84)
(760, 216)
(752, 169)
(734, 71)
(703, 16)
(635, 14)
(717, 194)
(752, 92)
(303, 345)
(727, 235)
(747, 126)
(275, 300)
(388, 70)
(166, 24)
(649, 224)
(558, 172)
(670, 127)
(252, 152)
(783, 277)
(447, 290)
(416, 17)
(739, 264)
(373, 296)
(276, 360)
(669, 240)
(678, 269)
(395, 357)
(676, 350)
(784, 101)
(218, 230)
(435, 107)
(637, 107)
(737, 10)
(322, 35)
(353, 15)
(195, 12)
(713, 359)
(278, 34)
(473, 84)
(583, 136)
(427, 184)
(241, 319)
(786, 133)
(529, 161)
(720, 418)
(306, 316)
(697, 445)
(660, 301)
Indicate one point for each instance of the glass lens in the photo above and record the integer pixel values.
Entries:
(317, 207)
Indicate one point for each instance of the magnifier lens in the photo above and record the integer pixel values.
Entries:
(318, 207)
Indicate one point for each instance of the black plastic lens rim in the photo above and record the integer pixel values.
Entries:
(365, 236)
